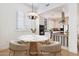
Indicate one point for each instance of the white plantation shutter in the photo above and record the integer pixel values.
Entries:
(20, 22)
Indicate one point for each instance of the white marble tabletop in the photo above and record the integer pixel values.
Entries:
(33, 38)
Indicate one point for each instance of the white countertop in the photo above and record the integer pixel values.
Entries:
(34, 38)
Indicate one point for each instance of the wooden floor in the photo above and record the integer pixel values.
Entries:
(63, 53)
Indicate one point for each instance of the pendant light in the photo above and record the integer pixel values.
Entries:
(33, 15)
(63, 18)
(62, 22)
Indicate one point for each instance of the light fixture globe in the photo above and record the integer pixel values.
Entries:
(33, 16)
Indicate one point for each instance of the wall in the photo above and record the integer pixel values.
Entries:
(50, 24)
(8, 23)
(73, 17)
(78, 21)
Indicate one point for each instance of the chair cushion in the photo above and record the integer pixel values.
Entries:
(45, 42)
(20, 42)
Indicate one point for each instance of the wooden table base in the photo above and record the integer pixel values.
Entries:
(33, 49)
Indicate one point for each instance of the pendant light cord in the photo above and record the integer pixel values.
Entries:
(32, 7)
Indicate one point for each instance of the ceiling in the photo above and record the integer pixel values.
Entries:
(40, 7)
(56, 12)
(49, 10)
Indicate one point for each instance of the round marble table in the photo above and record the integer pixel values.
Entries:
(33, 39)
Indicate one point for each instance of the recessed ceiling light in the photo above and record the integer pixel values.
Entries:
(47, 4)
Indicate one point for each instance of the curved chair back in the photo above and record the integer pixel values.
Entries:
(15, 46)
(50, 48)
